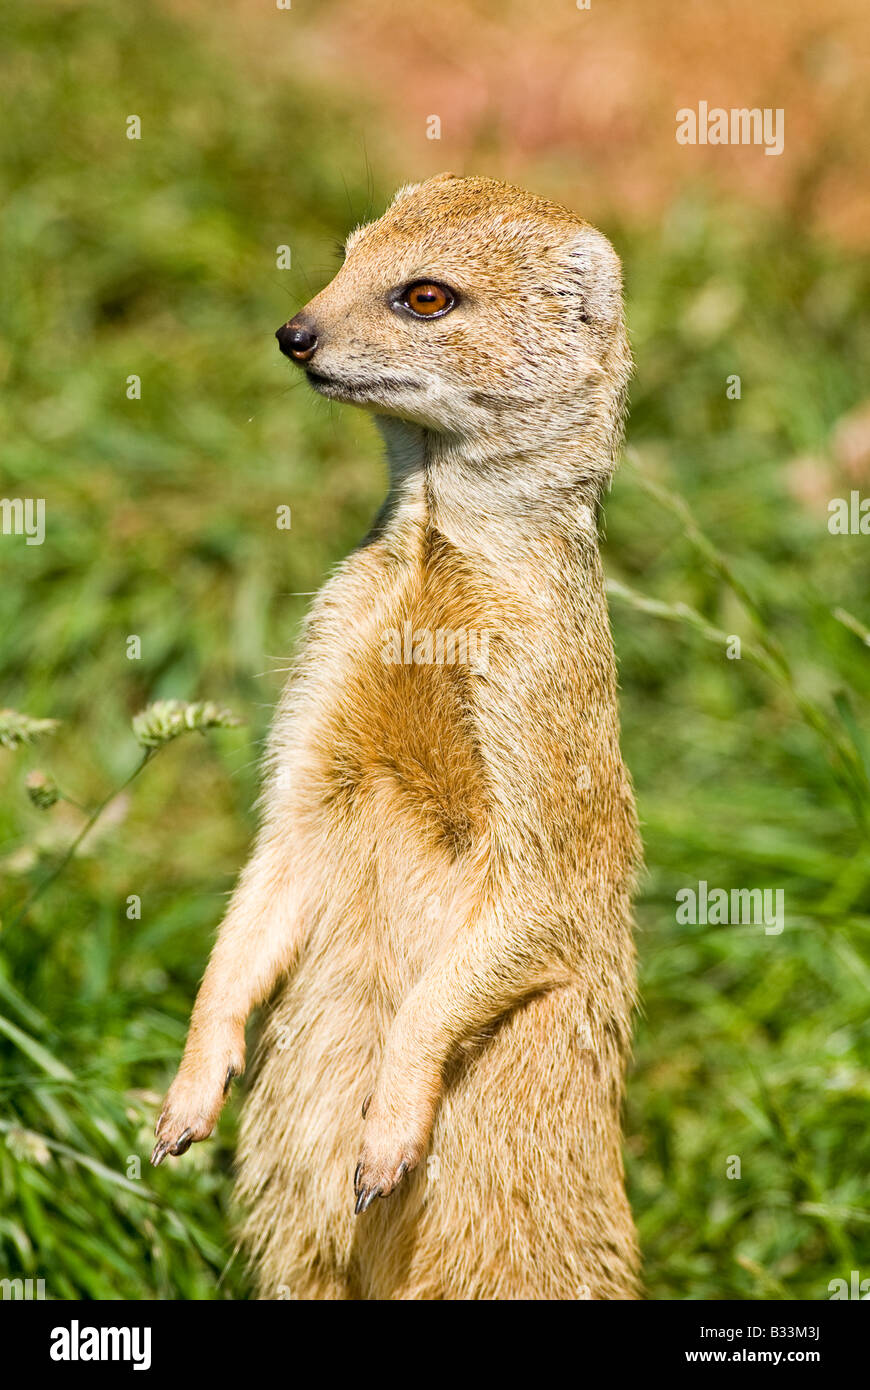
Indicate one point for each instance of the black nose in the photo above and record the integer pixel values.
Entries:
(297, 340)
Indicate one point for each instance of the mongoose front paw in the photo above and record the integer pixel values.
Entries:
(193, 1104)
(389, 1151)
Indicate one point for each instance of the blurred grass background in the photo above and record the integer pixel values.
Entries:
(157, 258)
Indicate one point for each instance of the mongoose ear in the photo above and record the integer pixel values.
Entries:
(594, 277)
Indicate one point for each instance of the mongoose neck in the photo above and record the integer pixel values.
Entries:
(509, 503)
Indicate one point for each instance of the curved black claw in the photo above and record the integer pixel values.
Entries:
(365, 1199)
(182, 1144)
(366, 1195)
(230, 1074)
(160, 1151)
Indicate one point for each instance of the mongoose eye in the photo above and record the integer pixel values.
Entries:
(427, 299)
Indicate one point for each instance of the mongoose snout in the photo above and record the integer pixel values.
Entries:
(438, 905)
(297, 339)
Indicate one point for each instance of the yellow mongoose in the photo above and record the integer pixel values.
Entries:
(438, 902)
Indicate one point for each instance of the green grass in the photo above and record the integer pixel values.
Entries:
(157, 258)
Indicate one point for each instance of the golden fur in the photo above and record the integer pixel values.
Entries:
(438, 902)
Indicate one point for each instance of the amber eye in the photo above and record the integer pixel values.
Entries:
(427, 299)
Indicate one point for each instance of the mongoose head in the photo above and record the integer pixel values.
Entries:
(479, 312)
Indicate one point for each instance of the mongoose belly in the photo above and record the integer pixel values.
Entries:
(520, 1194)
(394, 818)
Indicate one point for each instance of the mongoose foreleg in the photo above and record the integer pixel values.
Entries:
(256, 944)
(491, 965)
